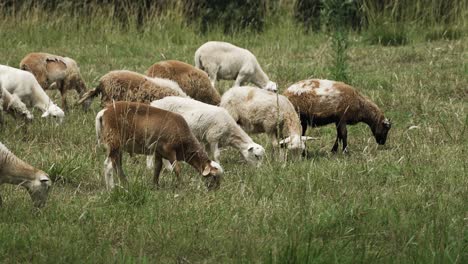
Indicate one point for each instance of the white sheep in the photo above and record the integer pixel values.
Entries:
(222, 60)
(15, 171)
(260, 111)
(13, 105)
(213, 126)
(53, 71)
(25, 86)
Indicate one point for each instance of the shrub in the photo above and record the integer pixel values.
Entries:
(387, 34)
(231, 15)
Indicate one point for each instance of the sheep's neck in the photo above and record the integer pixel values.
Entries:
(16, 171)
(238, 139)
(370, 113)
(198, 159)
(261, 79)
(41, 100)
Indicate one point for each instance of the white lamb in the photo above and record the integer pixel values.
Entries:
(222, 60)
(24, 85)
(260, 111)
(213, 126)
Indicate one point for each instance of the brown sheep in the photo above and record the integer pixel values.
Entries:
(322, 102)
(193, 81)
(52, 71)
(142, 129)
(130, 86)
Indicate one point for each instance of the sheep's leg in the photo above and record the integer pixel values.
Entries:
(108, 169)
(116, 158)
(338, 138)
(303, 124)
(61, 88)
(157, 169)
(240, 79)
(215, 150)
(344, 137)
(212, 73)
(176, 167)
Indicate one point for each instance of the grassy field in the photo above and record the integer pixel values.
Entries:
(406, 202)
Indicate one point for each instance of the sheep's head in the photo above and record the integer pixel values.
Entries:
(271, 86)
(39, 189)
(380, 131)
(55, 112)
(18, 108)
(295, 144)
(253, 154)
(212, 174)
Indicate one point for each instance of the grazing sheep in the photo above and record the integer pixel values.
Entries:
(13, 105)
(214, 126)
(52, 71)
(15, 171)
(142, 129)
(193, 81)
(261, 111)
(322, 102)
(131, 86)
(222, 60)
(24, 85)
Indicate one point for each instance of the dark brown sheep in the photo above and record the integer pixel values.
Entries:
(193, 81)
(141, 129)
(322, 102)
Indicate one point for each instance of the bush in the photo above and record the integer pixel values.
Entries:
(231, 15)
(387, 34)
(311, 13)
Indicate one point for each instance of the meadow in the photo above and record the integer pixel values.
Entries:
(404, 202)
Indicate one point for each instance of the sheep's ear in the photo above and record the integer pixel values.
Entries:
(306, 138)
(251, 149)
(387, 123)
(45, 114)
(206, 171)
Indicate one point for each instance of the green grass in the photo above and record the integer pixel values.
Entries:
(405, 202)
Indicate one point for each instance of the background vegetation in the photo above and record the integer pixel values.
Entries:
(404, 202)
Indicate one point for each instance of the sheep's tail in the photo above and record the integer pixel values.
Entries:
(89, 95)
(99, 125)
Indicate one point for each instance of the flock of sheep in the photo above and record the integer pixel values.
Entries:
(174, 113)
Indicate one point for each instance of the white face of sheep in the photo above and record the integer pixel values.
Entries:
(254, 154)
(39, 189)
(295, 144)
(212, 175)
(55, 112)
(271, 86)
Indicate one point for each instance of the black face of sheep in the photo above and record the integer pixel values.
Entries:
(380, 131)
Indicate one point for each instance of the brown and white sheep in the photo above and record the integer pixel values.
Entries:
(260, 111)
(52, 71)
(15, 171)
(142, 129)
(193, 81)
(322, 102)
(130, 86)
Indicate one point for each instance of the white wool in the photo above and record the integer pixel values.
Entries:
(298, 88)
(25, 86)
(212, 125)
(167, 83)
(99, 125)
(222, 60)
(260, 111)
